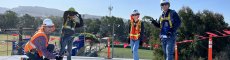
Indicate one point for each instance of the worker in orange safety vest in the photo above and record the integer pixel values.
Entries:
(38, 46)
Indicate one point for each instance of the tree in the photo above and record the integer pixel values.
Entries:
(27, 21)
(93, 25)
(107, 24)
(9, 19)
(2, 21)
(198, 24)
(151, 33)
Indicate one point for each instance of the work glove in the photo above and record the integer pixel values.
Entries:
(79, 15)
(154, 21)
(151, 19)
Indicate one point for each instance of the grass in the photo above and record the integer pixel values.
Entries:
(6, 47)
(5, 37)
(126, 53)
(55, 40)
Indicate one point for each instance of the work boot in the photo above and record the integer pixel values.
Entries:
(24, 58)
(59, 58)
(46, 59)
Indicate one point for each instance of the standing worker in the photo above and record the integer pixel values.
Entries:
(38, 46)
(136, 32)
(169, 22)
(69, 26)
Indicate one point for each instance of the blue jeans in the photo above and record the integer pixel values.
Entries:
(134, 46)
(168, 45)
(66, 41)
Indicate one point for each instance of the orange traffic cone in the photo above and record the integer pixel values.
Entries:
(210, 48)
(176, 52)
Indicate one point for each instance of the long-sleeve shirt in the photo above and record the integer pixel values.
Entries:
(40, 44)
(73, 24)
(176, 22)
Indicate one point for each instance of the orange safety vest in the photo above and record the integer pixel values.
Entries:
(30, 44)
(135, 31)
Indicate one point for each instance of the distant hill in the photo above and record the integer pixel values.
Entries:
(42, 12)
(2, 10)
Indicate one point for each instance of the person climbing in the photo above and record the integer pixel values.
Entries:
(69, 28)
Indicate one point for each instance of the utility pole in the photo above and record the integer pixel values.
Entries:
(112, 42)
(110, 8)
(20, 43)
(110, 12)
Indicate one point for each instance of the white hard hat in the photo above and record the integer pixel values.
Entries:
(135, 12)
(164, 1)
(48, 22)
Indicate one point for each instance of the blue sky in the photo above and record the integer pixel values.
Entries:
(123, 8)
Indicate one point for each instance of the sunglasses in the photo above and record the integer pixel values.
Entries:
(135, 14)
(49, 26)
(72, 14)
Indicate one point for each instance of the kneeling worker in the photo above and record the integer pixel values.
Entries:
(38, 46)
